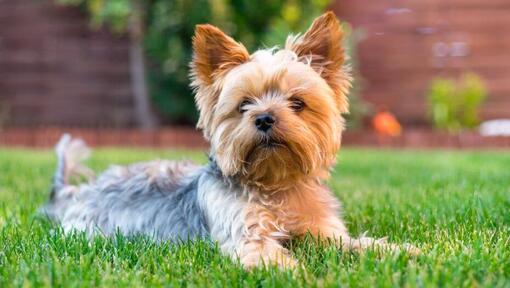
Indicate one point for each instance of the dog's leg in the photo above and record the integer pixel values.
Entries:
(243, 228)
(262, 242)
(319, 216)
(333, 229)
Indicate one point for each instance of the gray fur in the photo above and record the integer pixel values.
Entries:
(157, 198)
(59, 176)
(165, 200)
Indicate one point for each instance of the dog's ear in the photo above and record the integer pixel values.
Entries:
(214, 53)
(322, 44)
(322, 47)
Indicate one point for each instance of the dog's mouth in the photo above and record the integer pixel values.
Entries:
(265, 144)
(270, 143)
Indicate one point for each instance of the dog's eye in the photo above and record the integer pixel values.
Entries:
(297, 104)
(243, 104)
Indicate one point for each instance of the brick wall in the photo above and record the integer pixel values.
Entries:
(55, 70)
(409, 42)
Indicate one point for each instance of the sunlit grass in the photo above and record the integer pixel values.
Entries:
(454, 205)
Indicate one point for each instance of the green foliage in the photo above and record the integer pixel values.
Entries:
(455, 105)
(114, 13)
(453, 205)
(169, 26)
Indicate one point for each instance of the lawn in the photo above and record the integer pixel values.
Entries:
(454, 205)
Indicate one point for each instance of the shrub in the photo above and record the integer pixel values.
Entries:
(454, 105)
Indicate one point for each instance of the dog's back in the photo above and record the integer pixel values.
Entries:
(157, 198)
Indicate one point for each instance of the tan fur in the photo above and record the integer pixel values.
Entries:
(284, 181)
(323, 43)
(75, 154)
(214, 54)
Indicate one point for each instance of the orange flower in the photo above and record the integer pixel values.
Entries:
(386, 124)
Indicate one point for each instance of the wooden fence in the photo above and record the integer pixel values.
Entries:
(56, 70)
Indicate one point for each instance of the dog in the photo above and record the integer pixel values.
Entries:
(274, 123)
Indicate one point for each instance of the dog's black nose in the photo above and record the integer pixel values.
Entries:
(264, 122)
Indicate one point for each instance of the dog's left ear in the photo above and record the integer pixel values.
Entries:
(322, 47)
(214, 52)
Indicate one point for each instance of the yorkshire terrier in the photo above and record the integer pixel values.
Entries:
(274, 123)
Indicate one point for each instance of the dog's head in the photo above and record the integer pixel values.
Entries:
(272, 117)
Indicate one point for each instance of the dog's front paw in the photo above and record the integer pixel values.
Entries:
(406, 247)
(281, 260)
(411, 249)
(382, 244)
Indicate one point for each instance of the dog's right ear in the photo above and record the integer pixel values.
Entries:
(214, 53)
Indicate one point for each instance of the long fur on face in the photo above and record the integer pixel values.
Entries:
(303, 143)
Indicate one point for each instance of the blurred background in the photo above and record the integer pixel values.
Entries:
(427, 72)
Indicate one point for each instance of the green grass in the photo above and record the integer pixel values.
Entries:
(454, 205)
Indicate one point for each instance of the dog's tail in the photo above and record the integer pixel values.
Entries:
(70, 155)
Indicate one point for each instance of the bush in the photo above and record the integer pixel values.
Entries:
(169, 26)
(454, 105)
